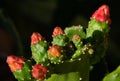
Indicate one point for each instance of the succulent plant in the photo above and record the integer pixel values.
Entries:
(20, 68)
(97, 33)
(113, 76)
(39, 48)
(69, 55)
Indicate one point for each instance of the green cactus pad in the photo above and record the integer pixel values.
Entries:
(94, 26)
(55, 60)
(60, 40)
(113, 76)
(39, 51)
(78, 43)
(77, 54)
(73, 76)
(71, 31)
(71, 70)
(25, 73)
(96, 34)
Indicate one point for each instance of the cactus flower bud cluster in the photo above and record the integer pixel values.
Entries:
(35, 38)
(102, 14)
(69, 55)
(57, 31)
(39, 72)
(55, 51)
(15, 63)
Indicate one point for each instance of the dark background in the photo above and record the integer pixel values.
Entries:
(19, 18)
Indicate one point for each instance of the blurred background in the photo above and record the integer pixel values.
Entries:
(19, 18)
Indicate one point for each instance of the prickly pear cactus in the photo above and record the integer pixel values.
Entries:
(75, 30)
(113, 76)
(39, 48)
(97, 33)
(20, 68)
(69, 55)
(59, 38)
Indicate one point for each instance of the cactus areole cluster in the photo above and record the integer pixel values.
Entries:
(69, 55)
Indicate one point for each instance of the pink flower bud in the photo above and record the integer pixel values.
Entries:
(39, 71)
(57, 31)
(15, 63)
(36, 37)
(102, 14)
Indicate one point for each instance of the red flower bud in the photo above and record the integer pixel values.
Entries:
(39, 71)
(102, 14)
(15, 63)
(36, 37)
(55, 51)
(57, 31)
